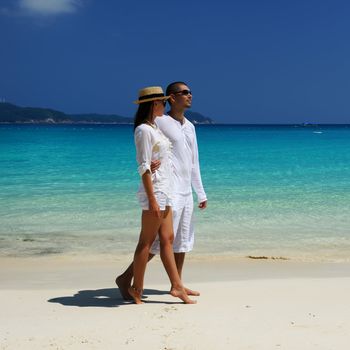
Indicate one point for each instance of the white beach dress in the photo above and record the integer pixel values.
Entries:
(151, 144)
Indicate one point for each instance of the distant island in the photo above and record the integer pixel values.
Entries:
(10, 113)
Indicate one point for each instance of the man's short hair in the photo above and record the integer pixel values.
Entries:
(173, 87)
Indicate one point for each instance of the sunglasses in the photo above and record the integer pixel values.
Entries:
(183, 92)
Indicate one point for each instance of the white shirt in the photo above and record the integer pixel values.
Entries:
(151, 144)
(184, 156)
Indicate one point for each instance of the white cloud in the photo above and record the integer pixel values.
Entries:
(48, 7)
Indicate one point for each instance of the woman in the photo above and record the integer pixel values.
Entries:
(154, 193)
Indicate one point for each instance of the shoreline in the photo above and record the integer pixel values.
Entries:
(195, 256)
(27, 273)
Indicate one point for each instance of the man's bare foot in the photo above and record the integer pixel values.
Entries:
(192, 292)
(181, 293)
(136, 294)
(123, 286)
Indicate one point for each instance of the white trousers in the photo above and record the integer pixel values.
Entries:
(182, 225)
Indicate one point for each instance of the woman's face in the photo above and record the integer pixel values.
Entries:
(158, 108)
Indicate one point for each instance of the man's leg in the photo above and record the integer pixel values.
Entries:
(123, 281)
(184, 233)
(179, 259)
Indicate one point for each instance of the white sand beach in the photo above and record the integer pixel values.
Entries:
(66, 303)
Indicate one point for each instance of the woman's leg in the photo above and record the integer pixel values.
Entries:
(166, 237)
(149, 227)
(123, 281)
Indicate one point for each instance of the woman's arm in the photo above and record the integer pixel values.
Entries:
(147, 183)
(143, 142)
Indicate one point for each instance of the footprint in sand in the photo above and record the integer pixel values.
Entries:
(169, 309)
(130, 340)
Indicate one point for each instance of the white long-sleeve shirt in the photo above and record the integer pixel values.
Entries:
(152, 144)
(184, 158)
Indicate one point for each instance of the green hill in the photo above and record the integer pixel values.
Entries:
(197, 118)
(10, 113)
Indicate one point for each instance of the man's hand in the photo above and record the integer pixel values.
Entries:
(202, 205)
(155, 164)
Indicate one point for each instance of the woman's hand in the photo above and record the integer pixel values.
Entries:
(154, 207)
(153, 204)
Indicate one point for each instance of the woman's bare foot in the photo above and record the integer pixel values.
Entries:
(181, 293)
(192, 292)
(136, 294)
(123, 286)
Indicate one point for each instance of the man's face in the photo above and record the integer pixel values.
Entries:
(182, 97)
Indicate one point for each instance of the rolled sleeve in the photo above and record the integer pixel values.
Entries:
(143, 143)
(143, 168)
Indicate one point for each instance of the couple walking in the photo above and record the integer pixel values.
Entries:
(167, 157)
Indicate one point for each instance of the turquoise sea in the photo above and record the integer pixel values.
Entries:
(273, 191)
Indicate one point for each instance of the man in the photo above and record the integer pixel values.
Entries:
(181, 133)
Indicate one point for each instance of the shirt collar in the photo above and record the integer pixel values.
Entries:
(182, 124)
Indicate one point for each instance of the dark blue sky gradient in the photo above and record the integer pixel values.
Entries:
(246, 61)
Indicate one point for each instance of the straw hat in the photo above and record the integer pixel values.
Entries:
(151, 93)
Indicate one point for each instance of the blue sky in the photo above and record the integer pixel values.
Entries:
(246, 61)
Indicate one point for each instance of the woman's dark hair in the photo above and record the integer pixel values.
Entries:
(142, 113)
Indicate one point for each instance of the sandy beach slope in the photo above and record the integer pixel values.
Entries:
(58, 303)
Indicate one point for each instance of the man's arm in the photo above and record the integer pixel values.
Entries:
(155, 164)
(196, 178)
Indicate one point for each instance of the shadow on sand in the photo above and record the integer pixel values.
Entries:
(107, 297)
